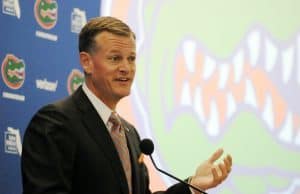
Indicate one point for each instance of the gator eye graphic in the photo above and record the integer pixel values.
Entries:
(13, 71)
(45, 12)
(75, 79)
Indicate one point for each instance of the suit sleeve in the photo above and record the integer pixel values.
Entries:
(47, 157)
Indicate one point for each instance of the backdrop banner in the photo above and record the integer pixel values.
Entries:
(39, 64)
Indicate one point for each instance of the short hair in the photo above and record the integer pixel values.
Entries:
(98, 25)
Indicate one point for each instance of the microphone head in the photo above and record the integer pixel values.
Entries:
(147, 146)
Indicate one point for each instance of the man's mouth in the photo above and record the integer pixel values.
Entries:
(123, 79)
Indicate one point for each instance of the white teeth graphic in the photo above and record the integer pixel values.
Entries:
(298, 59)
(224, 74)
(287, 64)
(238, 63)
(267, 113)
(20, 70)
(254, 47)
(209, 67)
(297, 139)
(231, 106)
(189, 52)
(198, 105)
(213, 121)
(271, 55)
(250, 96)
(287, 129)
(185, 94)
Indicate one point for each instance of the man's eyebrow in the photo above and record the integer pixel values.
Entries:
(118, 52)
(114, 51)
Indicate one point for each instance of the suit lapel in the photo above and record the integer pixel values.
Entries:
(99, 133)
(131, 143)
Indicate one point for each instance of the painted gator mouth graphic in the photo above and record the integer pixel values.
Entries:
(47, 11)
(15, 75)
(51, 14)
(259, 77)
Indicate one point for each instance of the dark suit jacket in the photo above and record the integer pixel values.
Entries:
(67, 149)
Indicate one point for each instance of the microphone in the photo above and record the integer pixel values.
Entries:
(147, 147)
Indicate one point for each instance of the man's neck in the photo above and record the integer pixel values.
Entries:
(109, 102)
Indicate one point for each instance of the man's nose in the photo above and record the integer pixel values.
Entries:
(124, 67)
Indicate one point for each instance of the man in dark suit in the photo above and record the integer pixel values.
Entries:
(80, 144)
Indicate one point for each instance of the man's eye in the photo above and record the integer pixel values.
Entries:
(131, 59)
(114, 58)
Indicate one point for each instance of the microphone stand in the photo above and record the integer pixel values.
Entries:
(164, 172)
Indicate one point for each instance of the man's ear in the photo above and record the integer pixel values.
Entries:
(86, 62)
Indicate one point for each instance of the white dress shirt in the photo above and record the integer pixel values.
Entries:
(102, 109)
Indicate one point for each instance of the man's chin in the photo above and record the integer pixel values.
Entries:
(123, 94)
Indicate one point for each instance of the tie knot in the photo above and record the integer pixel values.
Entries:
(115, 121)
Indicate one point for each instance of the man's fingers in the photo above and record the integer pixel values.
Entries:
(230, 159)
(224, 171)
(216, 179)
(227, 163)
(216, 155)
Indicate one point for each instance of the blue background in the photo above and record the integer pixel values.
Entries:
(44, 59)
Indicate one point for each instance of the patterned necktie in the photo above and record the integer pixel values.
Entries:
(118, 136)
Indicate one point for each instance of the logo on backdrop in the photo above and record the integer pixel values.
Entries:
(13, 75)
(78, 20)
(11, 7)
(75, 79)
(44, 84)
(13, 71)
(12, 141)
(45, 12)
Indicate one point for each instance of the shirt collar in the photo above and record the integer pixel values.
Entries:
(103, 111)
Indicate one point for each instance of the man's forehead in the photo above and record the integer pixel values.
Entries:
(115, 43)
(107, 36)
